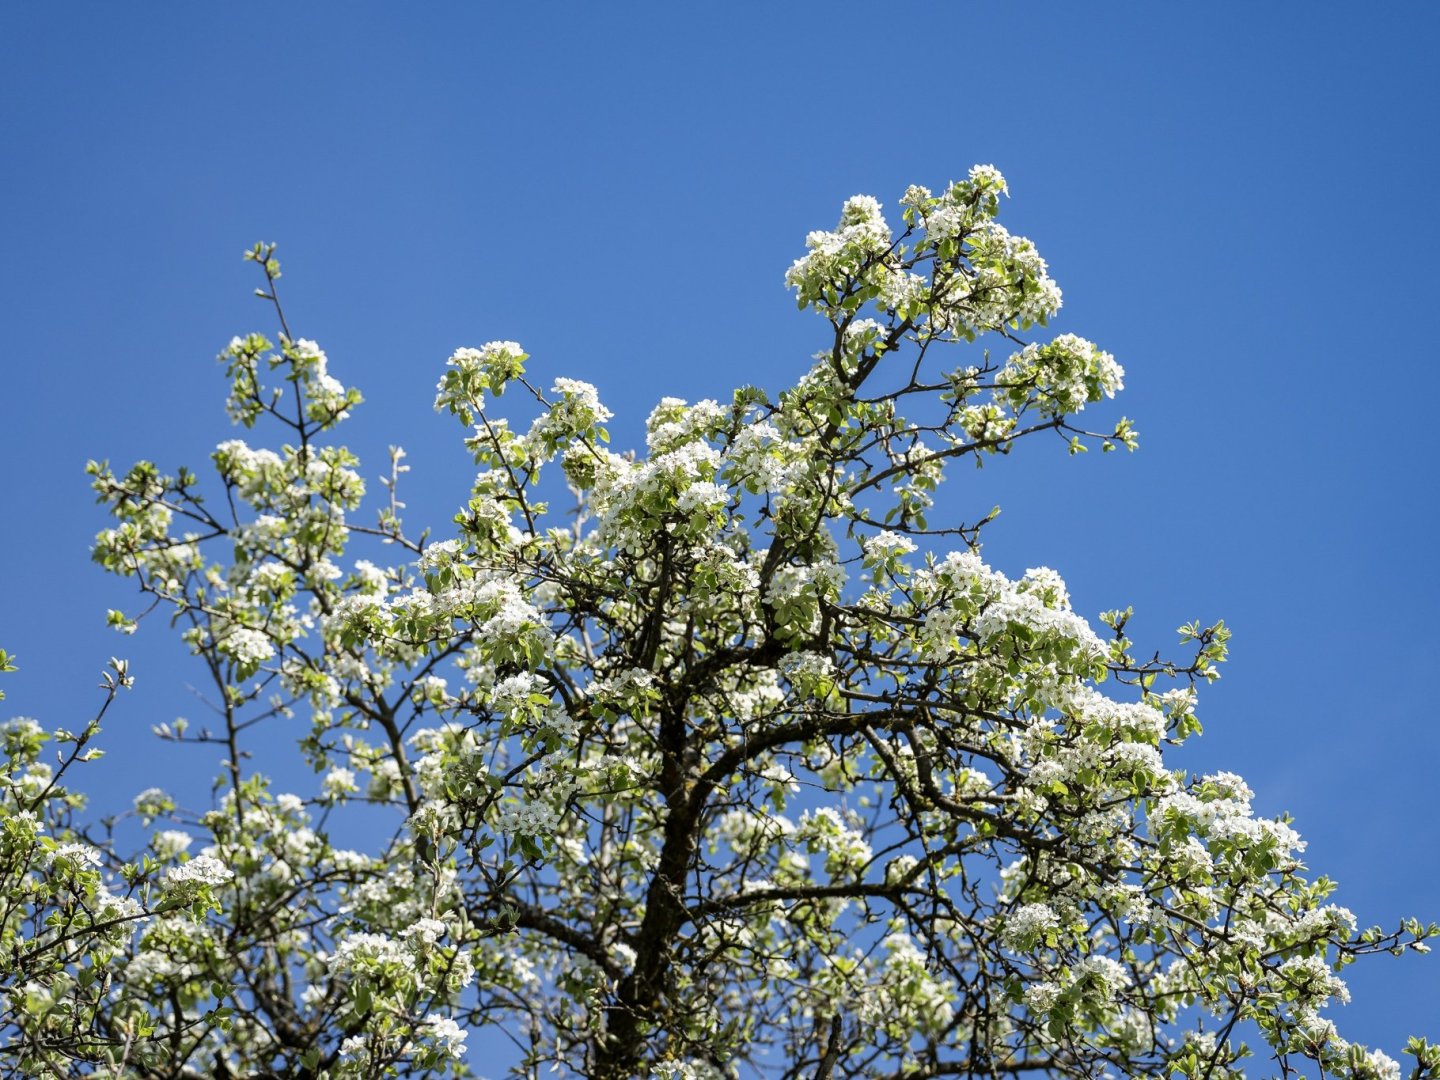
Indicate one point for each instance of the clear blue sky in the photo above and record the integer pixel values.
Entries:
(1238, 201)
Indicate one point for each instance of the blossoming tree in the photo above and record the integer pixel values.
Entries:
(742, 762)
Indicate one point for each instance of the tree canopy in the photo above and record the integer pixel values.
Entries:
(728, 757)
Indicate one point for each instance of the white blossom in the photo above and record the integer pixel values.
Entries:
(247, 646)
(201, 870)
(448, 1036)
(171, 843)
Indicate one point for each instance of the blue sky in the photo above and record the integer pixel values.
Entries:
(1236, 199)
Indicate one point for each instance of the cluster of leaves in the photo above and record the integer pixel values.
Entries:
(730, 769)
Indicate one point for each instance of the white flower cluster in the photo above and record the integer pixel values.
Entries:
(201, 870)
(338, 783)
(270, 576)
(914, 998)
(249, 470)
(1218, 808)
(1329, 920)
(124, 909)
(527, 817)
(1313, 1030)
(471, 373)
(171, 843)
(425, 931)
(807, 668)
(686, 1070)
(1104, 976)
(1013, 607)
(507, 622)
(1010, 282)
(861, 237)
(1134, 721)
(674, 422)
(1060, 377)
(246, 646)
(507, 626)
(572, 415)
(319, 367)
(861, 338)
(495, 358)
(370, 578)
(1025, 927)
(151, 803)
(511, 695)
(749, 832)
(886, 545)
(1311, 978)
(366, 952)
(326, 475)
(439, 555)
(75, 855)
(447, 1035)
(761, 460)
(634, 500)
(984, 604)
(821, 579)
(452, 760)
(627, 690)
(825, 831)
(1041, 997)
(1005, 279)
